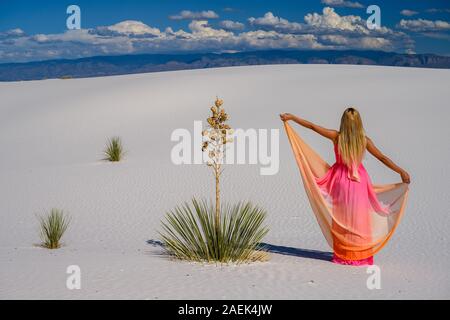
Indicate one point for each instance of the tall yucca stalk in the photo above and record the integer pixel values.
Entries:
(52, 228)
(216, 137)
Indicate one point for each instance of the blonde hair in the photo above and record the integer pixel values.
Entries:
(352, 138)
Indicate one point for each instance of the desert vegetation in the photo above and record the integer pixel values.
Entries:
(53, 225)
(215, 232)
(114, 150)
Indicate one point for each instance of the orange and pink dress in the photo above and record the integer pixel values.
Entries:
(356, 217)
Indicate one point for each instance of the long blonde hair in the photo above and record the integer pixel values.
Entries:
(352, 137)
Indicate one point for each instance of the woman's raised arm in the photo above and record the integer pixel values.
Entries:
(327, 133)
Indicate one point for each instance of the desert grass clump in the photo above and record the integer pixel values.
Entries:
(114, 150)
(190, 233)
(52, 228)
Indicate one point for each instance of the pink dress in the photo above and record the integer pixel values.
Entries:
(356, 217)
(349, 190)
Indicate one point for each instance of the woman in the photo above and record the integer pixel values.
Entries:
(356, 217)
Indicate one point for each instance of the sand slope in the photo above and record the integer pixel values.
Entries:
(52, 134)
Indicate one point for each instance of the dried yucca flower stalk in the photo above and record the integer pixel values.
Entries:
(216, 136)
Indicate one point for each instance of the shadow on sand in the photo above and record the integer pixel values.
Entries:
(155, 243)
(298, 252)
(288, 251)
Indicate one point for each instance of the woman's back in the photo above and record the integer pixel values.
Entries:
(353, 171)
(338, 157)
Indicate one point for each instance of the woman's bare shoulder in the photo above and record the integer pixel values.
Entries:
(336, 138)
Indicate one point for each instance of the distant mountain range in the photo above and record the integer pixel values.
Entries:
(128, 64)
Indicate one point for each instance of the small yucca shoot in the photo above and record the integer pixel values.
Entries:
(52, 227)
(114, 150)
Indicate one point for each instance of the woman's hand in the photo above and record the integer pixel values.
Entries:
(405, 177)
(286, 117)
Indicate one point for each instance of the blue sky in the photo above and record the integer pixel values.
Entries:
(36, 30)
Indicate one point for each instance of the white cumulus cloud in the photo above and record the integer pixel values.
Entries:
(232, 25)
(325, 30)
(269, 20)
(200, 28)
(422, 25)
(131, 27)
(192, 15)
(408, 13)
(343, 3)
(330, 20)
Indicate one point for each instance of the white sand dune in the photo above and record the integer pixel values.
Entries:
(52, 134)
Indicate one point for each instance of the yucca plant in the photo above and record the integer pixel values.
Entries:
(114, 150)
(52, 228)
(191, 233)
(215, 232)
